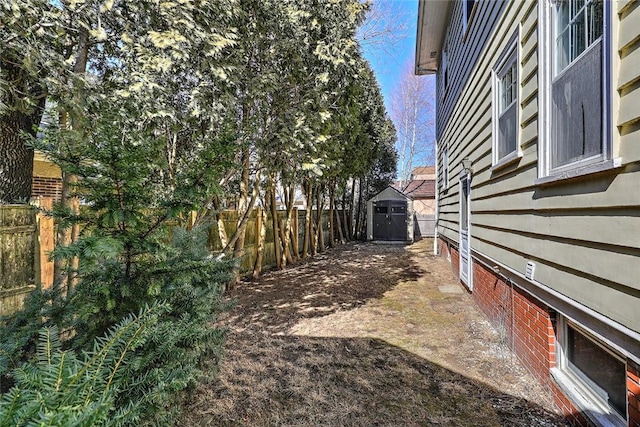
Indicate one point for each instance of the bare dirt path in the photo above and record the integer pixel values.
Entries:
(365, 335)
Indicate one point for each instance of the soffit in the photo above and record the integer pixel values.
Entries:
(433, 16)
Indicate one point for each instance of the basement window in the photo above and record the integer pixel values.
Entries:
(593, 375)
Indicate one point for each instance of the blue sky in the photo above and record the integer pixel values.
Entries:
(388, 68)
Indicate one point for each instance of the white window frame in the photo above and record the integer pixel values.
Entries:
(509, 57)
(445, 167)
(546, 43)
(579, 390)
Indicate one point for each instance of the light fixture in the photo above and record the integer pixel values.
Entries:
(466, 164)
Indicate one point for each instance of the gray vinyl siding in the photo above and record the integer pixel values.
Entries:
(464, 48)
(583, 234)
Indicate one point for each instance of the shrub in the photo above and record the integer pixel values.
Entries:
(60, 388)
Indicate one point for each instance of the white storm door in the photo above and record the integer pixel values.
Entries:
(465, 249)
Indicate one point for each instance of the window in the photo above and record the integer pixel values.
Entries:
(467, 9)
(595, 373)
(505, 105)
(381, 209)
(577, 108)
(444, 74)
(464, 205)
(398, 209)
(445, 167)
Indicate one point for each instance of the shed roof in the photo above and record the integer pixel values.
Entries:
(390, 191)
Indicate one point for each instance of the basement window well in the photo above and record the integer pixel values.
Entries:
(593, 375)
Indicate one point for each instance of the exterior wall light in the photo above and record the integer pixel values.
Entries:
(466, 165)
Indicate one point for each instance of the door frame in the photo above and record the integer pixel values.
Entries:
(465, 235)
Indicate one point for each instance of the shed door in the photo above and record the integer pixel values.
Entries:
(398, 220)
(390, 220)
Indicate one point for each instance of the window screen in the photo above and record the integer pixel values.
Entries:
(577, 125)
(604, 372)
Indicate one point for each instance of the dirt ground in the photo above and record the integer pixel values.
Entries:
(365, 335)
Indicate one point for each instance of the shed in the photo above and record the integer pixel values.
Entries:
(390, 216)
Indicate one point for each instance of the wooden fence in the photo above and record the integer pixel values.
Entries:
(27, 238)
(425, 225)
(18, 262)
(230, 220)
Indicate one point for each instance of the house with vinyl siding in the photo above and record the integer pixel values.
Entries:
(538, 185)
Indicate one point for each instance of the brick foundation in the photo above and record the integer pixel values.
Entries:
(633, 394)
(528, 325)
(46, 187)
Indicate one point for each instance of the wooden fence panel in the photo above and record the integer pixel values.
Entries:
(17, 255)
(46, 241)
(31, 235)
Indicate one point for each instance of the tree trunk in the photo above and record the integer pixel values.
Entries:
(262, 234)
(350, 211)
(275, 222)
(339, 227)
(285, 232)
(307, 222)
(66, 237)
(332, 231)
(359, 210)
(312, 222)
(16, 158)
(345, 222)
(294, 235)
(222, 231)
(319, 208)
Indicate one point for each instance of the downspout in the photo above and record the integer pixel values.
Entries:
(435, 228)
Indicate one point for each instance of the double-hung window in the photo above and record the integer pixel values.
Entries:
(505, 106)
(575, 113)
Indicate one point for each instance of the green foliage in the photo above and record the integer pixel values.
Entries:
(178, 94)
(178, 337)
(61, 388)
(132, 252)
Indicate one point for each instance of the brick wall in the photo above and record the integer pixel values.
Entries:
(455, 260)
(46, 187)
(443, 249)
(528, 325)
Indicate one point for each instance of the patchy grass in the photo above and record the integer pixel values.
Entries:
(364, 336)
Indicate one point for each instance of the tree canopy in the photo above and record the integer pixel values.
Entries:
(160, 109)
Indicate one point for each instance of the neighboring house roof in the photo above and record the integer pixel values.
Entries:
(420, 189)
(424, 170)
